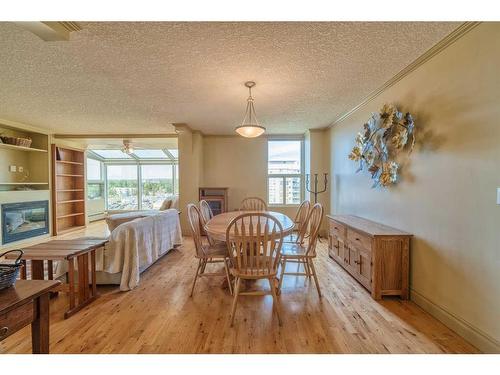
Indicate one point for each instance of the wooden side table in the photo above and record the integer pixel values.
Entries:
(27, 302)
(79, 250)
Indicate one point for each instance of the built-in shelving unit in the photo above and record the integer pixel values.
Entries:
(24, 167)
(68, 181)
(24, 171)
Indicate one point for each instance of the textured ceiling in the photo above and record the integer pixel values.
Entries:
(142, 77)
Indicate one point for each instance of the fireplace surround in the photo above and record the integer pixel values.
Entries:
(24, 220)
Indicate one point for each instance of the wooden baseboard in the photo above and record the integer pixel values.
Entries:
(475, 336)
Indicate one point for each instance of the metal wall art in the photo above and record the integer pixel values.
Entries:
(385, 136)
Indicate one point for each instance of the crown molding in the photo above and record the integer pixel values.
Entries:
(433, 51)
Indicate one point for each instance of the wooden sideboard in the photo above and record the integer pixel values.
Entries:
(376, 255)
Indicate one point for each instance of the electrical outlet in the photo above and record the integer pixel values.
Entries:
(12, 168)
(20, 168)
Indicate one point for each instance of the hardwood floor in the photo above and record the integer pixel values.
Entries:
(159, 317)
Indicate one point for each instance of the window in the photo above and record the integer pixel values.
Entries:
(111, 154)
(150, 154)
(284, 169)
(95, 181)
(157, 185)
(141, 180)
(122, 187)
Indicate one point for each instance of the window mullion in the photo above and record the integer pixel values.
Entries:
(105, 187)
(139, 187)
(284, 190)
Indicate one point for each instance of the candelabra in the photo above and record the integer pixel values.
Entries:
(316, 191)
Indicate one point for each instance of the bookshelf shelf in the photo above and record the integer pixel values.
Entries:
(20, 148)
(69, 162)
(23, 183)
(68, 201)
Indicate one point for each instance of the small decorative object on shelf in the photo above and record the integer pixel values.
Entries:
(316, 191)
(9, 272)
(16, 141)
(385, 135)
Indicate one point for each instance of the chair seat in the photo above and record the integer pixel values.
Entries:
(293, 250)
(218, 250)
(255, 272)
(250, 275)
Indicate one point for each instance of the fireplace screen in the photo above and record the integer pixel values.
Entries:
(24, 220)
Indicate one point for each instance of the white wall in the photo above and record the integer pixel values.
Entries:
(447, 197)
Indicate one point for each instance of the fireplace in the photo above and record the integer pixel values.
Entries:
(24, 220)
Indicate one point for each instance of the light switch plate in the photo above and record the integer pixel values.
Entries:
(12, 168)
(498, 195)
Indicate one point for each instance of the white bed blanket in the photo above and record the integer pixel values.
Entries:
(137, 244)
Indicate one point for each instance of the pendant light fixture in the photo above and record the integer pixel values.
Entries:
(250, 127)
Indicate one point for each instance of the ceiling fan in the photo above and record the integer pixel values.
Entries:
(127, 148)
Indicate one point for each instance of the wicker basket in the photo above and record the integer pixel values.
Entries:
(9, 272)
(17, 141)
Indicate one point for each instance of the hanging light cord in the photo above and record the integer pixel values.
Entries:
(250, 111)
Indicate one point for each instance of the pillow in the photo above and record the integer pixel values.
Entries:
(167, 203)
(175, 203)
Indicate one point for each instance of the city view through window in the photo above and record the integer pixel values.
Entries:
(284, 172)
(143, 181)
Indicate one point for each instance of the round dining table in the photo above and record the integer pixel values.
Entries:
(216, 226)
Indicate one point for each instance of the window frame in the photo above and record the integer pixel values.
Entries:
(101, 181)
(285, 175)
(174, 162)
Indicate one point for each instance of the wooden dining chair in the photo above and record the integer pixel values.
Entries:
(205, 210)
(300, 222)
(253, 204)
(299, 253)
(206, 214)
(206, 253)
(254, 243)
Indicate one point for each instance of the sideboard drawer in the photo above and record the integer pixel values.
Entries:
(359, 240)
(337, 229)
(16, 319)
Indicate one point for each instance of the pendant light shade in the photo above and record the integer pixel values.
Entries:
(250, 127)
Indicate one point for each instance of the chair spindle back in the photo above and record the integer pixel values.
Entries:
(253, 204)
(195, 220)
(314, 223)
(301, 220)
(205, 211)
(254, 243)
